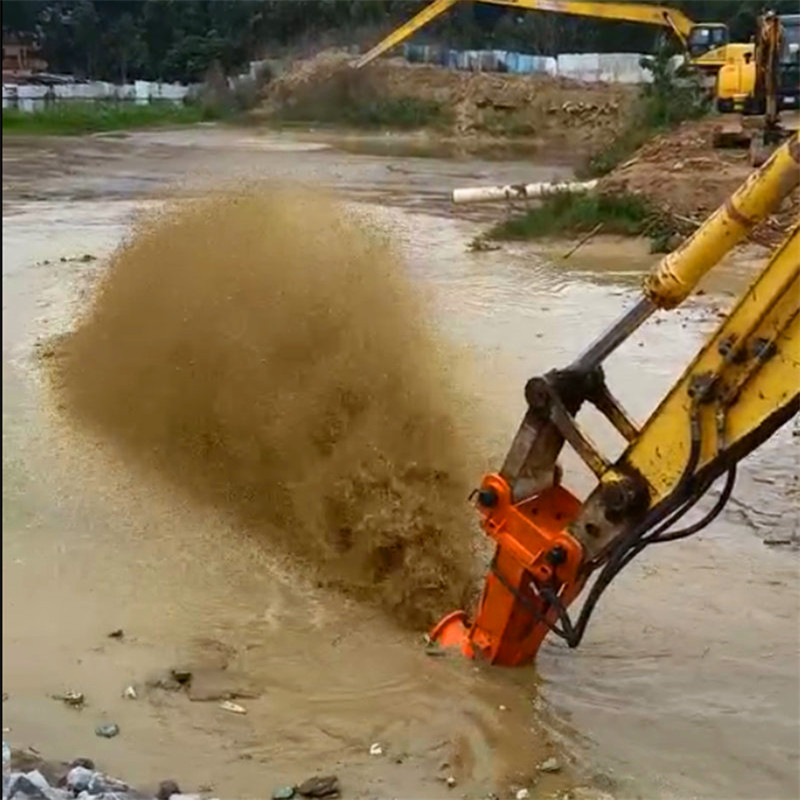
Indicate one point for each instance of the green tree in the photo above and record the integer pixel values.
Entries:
(86, 36)
(125, 46)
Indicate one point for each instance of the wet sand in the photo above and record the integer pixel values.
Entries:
(686, 685)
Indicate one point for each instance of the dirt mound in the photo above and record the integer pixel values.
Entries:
(318, 68)
(682, 173)
(557, 111)
(266, 353)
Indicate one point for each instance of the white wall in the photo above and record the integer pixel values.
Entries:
(23, 95)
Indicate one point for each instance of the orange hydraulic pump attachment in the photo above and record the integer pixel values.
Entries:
(741, 386)
(533, 549)
(539, 567)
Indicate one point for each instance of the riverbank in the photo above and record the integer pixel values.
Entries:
(665, 192)
(29, 774)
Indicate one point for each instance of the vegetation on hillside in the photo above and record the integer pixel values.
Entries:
(671, 98)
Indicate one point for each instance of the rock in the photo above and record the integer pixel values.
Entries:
(71, 698)
(108, 730)
(130, 693)
(101, 784)
(78, 779)
(550, 765)
(38, 780)
(234, 708)
(20, 786)
(24, 761)
(320, 786)
(181, 676)
(166, 789)
(522, 794)
(118, 633)
(186, 797)
(283, 793)
(97, 784)
(375, 749)
(31, 785)
(82, 762)
(451, 781)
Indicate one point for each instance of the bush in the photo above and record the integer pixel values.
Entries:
(672, 97)
(570, 212)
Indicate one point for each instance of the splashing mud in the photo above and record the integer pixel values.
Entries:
(264, 351)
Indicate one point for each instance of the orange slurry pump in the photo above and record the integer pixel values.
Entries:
(742, 385)
(533, 548)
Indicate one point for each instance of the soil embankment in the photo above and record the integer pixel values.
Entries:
(684, 175)
(554, 112)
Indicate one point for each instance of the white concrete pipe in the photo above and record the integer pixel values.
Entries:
(519, 191)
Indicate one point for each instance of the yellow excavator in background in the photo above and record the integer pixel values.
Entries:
(706, 44)
(742, 385)
(759, 87)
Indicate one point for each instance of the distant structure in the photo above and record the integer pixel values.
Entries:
(22, 57)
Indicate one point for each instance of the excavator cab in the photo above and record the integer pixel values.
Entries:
(707, 45)
(705, 37)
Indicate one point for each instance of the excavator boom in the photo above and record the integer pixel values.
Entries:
(742, 385)
(621, 12)
(645, 13)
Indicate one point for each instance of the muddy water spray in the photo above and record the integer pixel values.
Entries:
(265, 352)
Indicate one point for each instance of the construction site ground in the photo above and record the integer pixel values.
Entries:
(261, 320)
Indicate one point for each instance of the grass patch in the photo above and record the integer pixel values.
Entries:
(571, 212)
(72, 118)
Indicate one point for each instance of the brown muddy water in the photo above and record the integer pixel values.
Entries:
(688, 683)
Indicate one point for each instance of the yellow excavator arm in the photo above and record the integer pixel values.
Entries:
(645, 13)
(429, 13)
(742, 385)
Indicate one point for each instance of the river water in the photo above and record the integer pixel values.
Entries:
(687, 684)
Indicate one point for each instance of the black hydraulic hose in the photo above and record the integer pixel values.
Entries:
(673, 508)
(659, 536)
(617, 559)
(667, 515)
(713, 513)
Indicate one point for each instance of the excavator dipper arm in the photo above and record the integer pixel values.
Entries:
(741, 386)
